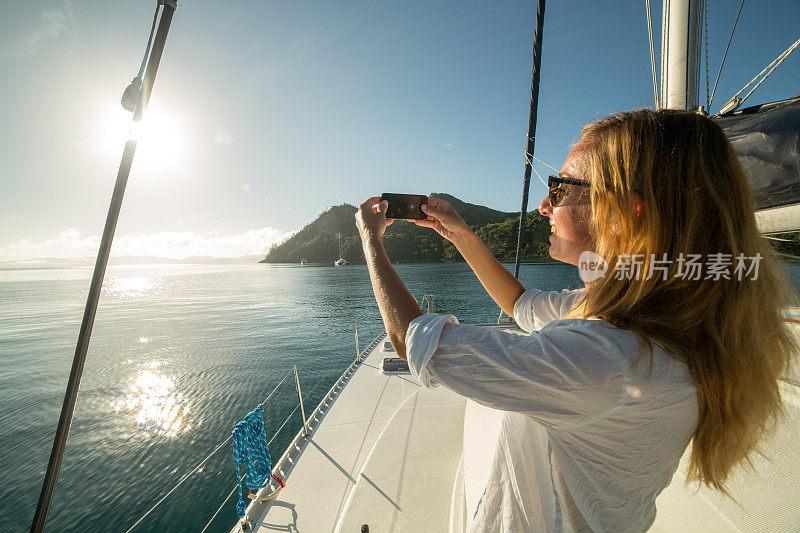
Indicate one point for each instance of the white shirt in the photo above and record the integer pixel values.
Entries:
(587, 441)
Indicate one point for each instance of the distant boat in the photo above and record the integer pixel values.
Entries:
(303, 262)
(341, 261)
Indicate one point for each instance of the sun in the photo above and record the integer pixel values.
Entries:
(159, 139)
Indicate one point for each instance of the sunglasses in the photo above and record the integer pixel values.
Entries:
(556, 193)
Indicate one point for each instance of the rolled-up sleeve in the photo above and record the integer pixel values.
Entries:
(568, 375)
(533, 309)
(422, 339)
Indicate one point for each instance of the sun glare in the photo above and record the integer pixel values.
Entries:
(159, 139)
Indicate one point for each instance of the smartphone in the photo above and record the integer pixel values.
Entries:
(405, 205)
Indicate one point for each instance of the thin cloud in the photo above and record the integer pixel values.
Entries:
(71, 244)
(50, 27)
(449, 145)
(247, 187)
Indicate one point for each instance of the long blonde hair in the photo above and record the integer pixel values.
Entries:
(729, 332)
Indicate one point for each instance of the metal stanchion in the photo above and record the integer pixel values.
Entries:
(302, 409)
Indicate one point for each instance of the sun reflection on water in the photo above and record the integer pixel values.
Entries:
(131, 287)
(154, 402)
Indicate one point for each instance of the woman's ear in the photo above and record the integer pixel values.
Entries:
(638, 205)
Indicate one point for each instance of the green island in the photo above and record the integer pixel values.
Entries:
(408, 243)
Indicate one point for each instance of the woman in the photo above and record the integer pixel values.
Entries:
(590, 436)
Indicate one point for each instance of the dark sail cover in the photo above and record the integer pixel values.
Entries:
(767, 139)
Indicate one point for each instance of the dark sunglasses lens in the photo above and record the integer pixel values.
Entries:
(557, 194)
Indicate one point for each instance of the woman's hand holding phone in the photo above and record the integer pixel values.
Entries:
(371, 218)
(442, 217)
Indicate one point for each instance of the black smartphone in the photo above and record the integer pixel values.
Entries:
(405, 205)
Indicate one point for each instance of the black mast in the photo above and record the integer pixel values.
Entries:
(537, 62)
(71, 396)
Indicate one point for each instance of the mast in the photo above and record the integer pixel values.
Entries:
(71, 395)
(680, 54)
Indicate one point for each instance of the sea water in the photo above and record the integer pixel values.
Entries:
(178, 355)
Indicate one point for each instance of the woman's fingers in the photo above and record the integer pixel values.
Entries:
(437, 213)
(371, 202)
(431, 211)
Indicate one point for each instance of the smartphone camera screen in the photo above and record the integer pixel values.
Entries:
(405, 205)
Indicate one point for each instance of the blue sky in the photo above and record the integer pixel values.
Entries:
(266, 113)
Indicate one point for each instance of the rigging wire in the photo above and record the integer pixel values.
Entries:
(705, 7)
(534, 105)
(652, 53)
(149, 41)
(466, 304)
(725, 55)
(539, 176)
(132, 92)
(772, 66)
(545, 164)
(220, 507)
(196, 468)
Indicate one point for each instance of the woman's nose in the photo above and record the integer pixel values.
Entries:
(545, 209)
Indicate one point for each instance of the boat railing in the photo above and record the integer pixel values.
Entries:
(284, 465)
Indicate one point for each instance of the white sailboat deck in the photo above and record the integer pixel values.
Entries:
(385, 452)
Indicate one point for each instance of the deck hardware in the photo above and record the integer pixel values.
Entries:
(358, 354)
(302, 409)
(428, 299)
(271, 496)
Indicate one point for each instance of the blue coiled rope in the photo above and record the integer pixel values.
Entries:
(250, 451)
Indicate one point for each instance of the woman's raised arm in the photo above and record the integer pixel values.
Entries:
(501, 285)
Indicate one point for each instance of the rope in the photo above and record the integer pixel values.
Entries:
(725, 55)
(776, 62)
(250, 451)
(708, 100)
(200, 465)
(652, 53)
